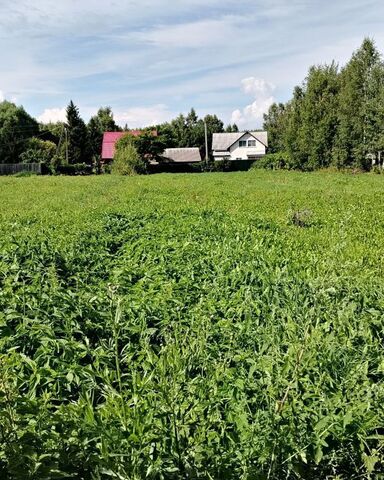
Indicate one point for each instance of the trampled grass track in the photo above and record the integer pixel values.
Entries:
(182, 326)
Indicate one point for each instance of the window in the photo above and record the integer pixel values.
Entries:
(242, 143)
(251, 143)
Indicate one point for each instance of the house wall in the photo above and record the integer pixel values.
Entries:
(243, 153)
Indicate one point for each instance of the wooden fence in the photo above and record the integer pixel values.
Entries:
(12, 168)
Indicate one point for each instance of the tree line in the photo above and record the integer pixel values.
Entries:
(76, 143)
(335, 118)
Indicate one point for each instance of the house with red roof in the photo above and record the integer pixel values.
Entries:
(110, 139)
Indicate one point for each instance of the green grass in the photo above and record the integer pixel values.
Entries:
(213, 326)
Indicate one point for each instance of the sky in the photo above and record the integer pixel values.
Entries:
(151, 60)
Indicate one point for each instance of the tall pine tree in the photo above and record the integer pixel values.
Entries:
(78, 142)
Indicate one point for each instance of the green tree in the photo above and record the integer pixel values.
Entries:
(127, 160)
(102, 122)
(275, 123)
(150, 146)
(232, 128)
(16, 128)
(319, 116)
(294, 140)
(180, 131)
(214, 125)
(360, 112)
(78, 142)
(39, 151)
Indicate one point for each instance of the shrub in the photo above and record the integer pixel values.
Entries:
(301, 218)
(273, 161)
(376, 169)
(127, 160)
(74, 169)
(38, 151)
(221, 166)
(24, 174)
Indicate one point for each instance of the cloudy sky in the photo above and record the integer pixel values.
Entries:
(151, 59)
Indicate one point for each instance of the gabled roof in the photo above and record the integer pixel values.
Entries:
(223, 141)
(110, 139)
(182, 155)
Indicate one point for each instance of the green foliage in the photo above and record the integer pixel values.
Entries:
(189, 131)
(178, 327)
(232, 128)
(334, 118)
(39, 151)
(16, 128)
(127, 160)
(78, 141)
(73, 169)
(361, 108)
(275, 123)
(301, 218)
(273, 161)
(149, 146)
(100, 123)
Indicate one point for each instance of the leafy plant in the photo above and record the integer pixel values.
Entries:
(174, 326)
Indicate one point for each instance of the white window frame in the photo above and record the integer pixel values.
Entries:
(242, 143)
(251, 143)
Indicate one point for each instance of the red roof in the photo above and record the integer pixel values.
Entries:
(110, 139)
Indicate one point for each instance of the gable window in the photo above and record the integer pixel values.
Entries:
(251, 143)
(242, 143)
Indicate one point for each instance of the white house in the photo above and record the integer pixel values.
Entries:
(239, 145)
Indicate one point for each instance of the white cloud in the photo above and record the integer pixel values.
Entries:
(212, 32)
(52, 115)
(138, 117)
(262, 91)
(2, 98)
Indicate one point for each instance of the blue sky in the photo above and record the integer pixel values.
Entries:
(150, 60)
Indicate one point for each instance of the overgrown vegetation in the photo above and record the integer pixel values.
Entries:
(178, 326)
(127, 160)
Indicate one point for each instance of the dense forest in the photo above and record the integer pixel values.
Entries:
(335, 118)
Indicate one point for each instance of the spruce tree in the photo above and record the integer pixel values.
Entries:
(78, 143)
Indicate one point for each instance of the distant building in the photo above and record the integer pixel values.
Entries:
(239, 145)
(181, 155)
(110, 139)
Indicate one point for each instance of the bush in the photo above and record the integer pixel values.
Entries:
(38, 151)
(221, 166)
(273, 161)
(25, 174)
(301, 218)
(127, 160)
(377, 169)
(74, 169)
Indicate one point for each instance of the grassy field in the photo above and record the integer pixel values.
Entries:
(211, 326)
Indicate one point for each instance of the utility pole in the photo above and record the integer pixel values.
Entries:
(66, 144)
(206, 140)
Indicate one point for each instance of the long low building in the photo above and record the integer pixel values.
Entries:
(181, 155)
(239, 145)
